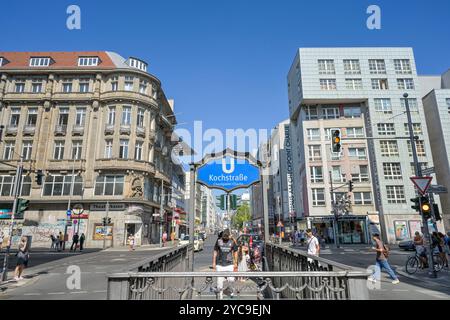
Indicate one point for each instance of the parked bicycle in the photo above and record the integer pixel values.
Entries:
(413, 263)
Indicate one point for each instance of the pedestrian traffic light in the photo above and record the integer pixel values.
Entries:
(416, 202)
(38, 178)
(104, 221)
(425, 207)
(437, 214)
(350, 186)
(109, 221)
(22, 205)
(336, 141)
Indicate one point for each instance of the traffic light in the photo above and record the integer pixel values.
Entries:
(336, 140)
(221, 203)
(416, 202)
(233, 200)
(350, 186)
(109, 221)
(437, 214)
(22, 205)
(426, 207)
(104, 221)
(38, 178)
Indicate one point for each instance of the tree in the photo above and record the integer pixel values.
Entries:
(242, 215)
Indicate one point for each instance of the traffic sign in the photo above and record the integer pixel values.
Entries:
(437, 188)
(69, 212)
(422, 183)
(428, 171)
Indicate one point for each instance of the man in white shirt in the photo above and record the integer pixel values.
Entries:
(313, 245)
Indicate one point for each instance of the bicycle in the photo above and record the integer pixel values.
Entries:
(413, 263)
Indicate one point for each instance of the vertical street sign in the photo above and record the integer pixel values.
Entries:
(422, 183)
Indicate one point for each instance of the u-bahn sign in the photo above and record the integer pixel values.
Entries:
(228, 171)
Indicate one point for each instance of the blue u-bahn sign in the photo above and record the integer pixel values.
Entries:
(228, 173)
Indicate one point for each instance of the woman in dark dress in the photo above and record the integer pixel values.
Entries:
(22, 258)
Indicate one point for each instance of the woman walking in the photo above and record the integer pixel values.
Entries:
(243, 259)
(22, 258)
(131, 242)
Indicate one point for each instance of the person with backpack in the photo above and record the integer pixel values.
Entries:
(382, 261)
(225, 258)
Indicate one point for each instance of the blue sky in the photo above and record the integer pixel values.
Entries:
(225, 61)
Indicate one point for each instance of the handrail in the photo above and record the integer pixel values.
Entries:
(157, 257)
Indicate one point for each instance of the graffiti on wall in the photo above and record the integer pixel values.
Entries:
(42, 232)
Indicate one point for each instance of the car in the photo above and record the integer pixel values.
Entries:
(198, 242)
(407, 244)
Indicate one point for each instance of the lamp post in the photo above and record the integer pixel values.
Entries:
(69, 203)
(161, 214)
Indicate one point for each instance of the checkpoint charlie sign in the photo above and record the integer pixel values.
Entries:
(228, 171)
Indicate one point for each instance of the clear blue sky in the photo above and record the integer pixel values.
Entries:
(225, 61)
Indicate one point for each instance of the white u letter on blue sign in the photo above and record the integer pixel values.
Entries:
(224, 166)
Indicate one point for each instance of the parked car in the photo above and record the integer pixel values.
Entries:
(198, 242)
(407, 244)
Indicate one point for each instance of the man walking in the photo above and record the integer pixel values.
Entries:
(82, 239)
(61, 241)
(381, 261)
(313, 245)
(225, 258)
(75, 239)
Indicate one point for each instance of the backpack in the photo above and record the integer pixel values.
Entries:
(386, 250)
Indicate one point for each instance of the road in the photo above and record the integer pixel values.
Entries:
(203, 259)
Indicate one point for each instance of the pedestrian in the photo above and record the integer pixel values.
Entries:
(1, 240)
(382, 261)
(61, 241)
(243, 259)
(164, 238)
(82, 239)
(53, 239)
(75, 239)
(420, 250)
(442, 253)
(22, 258)
(172, 237)
(447, 242)
(56, 242)
(302, 237)
(225, 258)
(131, 242)
(313, 245)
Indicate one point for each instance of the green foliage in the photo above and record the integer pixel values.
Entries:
(242, 215)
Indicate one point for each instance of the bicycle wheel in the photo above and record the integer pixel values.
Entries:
(438, 263)
(412, 264)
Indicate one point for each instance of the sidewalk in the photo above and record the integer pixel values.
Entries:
(144, 247)
(443, 277)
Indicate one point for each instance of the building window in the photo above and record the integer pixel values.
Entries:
(80, 117)
(417, 129)
(137, 64)
(58, 185)
(313, 134)
(140, 117)
(123, 152)
(58, 153)
(138, 151)
(111, 115)
(84, 85)
(129, 83)
(7, 186)
(154, 91)
(36, 86)
(330, 112)
(15, 117)
(27, 148)
(318, 197)
(108, 149)
(389, 148)
(32, 117)
(352, 67)
(8, 153)
(380, 84)
(311, 113)
(448, 104)
(328, 133)
(77, 148)
(316, 174)
(402, 66)
(353, 84)
(143, 86)
(377, 66)
(386, 129)
(114, 83)
(395, 194)
(109, 185)
(39, 62)
(420, 148)
(392, 170)
(67, 85)
(362, 175)
(357, 132)
(63, 118)
(413, 106)
(337, 175)
(359, 153)
(405, 84)
(314, 153)
(383, 105)
(87, 61)
(20, 87)
(126, 116)
(352, 112)
(328, 84)
(362, 198)
(422, 165)
(326, 67)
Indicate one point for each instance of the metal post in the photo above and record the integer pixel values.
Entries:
(17, 188)
(69, 202)
(265, 205)
(192, 215)
(161, 214)
(418, 172)
(334, 212)
(105, 225)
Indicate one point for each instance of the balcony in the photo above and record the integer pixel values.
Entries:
(140, 132)
(60, 130)
(125, 129)
(29, 130)
(11, 130)
(109, 129)
(360, 177)
(77, 130)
